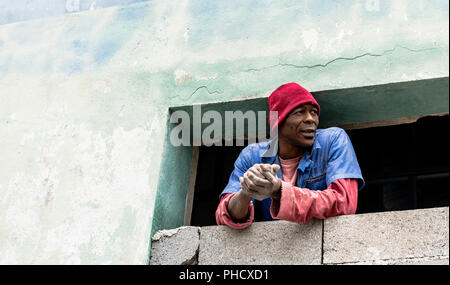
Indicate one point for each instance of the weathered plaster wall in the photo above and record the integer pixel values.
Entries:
(23, 10)
(84, 100)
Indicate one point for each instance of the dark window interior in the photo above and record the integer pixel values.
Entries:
(404, 166)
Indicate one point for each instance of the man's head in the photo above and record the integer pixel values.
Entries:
(298, 114)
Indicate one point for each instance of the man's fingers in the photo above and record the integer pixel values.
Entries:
(245, 187)
(256, 171)
(259, 180)
(250, 192)
(243, 184)
(247, 181)
(272, 168)
(268, 173)
(275, 168)
(264, 167)
(251, 181)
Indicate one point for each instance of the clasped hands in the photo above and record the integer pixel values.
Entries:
(260, 182)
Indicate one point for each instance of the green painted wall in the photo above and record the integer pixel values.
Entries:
(85, 100)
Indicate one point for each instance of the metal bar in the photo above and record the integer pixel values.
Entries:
(412, 158)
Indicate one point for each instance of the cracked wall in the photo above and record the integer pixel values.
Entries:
(85, 97)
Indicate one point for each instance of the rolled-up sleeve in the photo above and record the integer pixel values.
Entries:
(223, 216)
(301, 204)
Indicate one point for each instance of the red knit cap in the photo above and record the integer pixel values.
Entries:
(286, 98)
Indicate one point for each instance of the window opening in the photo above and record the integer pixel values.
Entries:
(405, 167)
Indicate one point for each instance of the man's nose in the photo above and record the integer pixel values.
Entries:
(309, 117)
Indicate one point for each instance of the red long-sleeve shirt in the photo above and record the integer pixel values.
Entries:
(300, 204)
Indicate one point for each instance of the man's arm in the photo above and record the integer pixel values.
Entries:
(301, 204)
(241, 209)
(238, 206)
(236, 210)
(223, 216)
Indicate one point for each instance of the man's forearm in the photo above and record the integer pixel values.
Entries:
(300, 204)
(238, 205)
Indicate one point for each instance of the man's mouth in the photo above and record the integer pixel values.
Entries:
(308, 133)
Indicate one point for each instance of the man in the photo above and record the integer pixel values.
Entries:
(313, 174)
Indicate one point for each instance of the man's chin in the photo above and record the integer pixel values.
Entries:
(306, 143)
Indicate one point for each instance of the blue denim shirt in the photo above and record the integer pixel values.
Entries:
(331, 158)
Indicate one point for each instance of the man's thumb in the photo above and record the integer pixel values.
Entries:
(275, 168)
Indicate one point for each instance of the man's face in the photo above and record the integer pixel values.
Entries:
(299, 128)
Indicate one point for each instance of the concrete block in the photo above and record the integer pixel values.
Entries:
(437, 260)
(175, 247)
(399, 237)
(276, 242)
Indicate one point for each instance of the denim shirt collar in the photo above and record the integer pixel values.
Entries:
(270, 155)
